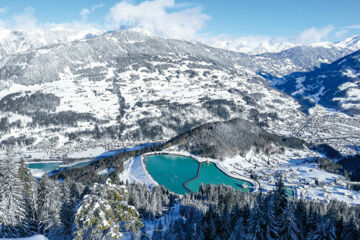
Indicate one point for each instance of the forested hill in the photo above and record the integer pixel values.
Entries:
(230, 138)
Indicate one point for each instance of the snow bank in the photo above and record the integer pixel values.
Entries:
(36, 237)
(135, 172)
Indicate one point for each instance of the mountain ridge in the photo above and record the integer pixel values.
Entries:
(334, 85)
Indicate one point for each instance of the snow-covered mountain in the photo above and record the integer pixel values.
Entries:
(251, 45)
(335, 85)
(352, 43)
(261, 45)
(296, 59)
(131, 87)
(126, 87)
(12, 41)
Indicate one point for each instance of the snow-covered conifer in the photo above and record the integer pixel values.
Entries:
(104, 214)
(288, 228)
(12, 203)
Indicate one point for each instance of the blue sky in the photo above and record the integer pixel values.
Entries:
(297, 20)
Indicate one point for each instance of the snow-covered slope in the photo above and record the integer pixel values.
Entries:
(335, 85)
(352, 43)
(12, 41)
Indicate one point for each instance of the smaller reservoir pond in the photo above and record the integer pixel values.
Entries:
(181, 174)
(54, 166)
(44, 166)
(210, 174)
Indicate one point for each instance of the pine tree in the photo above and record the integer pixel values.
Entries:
(313, 218)
(270, 221)
(238, 232)
(255, 229)
(351, 229)
(325, 230)
(301, 218)
(49, 208)
(224, 223)
(104, 214)
(71, 193)
(289, 229)
(209, 223)
(280, 198)
(12, 202)
(29, 195)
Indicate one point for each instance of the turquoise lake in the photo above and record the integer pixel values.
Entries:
(210, 174)
(44, 166)
(172, 171)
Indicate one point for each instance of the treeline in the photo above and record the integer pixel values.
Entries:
(335, 162)
(5, 125)
(64, 118)
(219, 212)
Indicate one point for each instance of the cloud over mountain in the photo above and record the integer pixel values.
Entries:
(162, 17)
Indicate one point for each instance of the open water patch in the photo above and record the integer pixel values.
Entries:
(182, 174)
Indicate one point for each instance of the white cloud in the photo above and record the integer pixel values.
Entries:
(341, 34)
(25, 21)
(314, 34)
(3, 10)
(356, 26)
(162, 17)
(84, 13)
